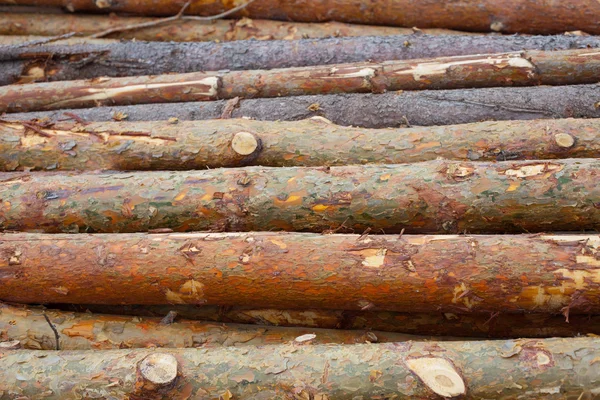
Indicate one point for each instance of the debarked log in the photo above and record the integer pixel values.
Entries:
(190, 30)
(456, 273)
(483, 325)
(424, 108)
(134, 58)
(534, 368)
(83, 331)
(509, 69)
(429, 197)
(315, 142)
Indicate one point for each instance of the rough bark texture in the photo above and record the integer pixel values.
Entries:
(190, 30)
(55, 62)
(511, 16)
(18, 39)
(316, 142)
(514, 69)
(429, 197)
(495, 325)
(538, 368)
(544, 273)
(82, 331)
(425, 108)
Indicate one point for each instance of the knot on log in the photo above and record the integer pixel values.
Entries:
(564, 140)
(439, 375)
(157, 371)
(245, 143)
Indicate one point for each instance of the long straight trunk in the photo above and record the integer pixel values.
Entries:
(430, 197)
(514, 69)
(540, 368)
(19, 39)
(425, 108)
(234, 143)
(190, 30)
(511, 16)
(484, 325)
(83, 331)
(55, 62)
(543, 273)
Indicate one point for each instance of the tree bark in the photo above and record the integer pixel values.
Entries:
(55, 62)
(82, 331)
(425, 108)
(495, 325)
(233, 143)
(193, 31)
(542, 273)
(515, 69)
(18, 39)
(430, 197)
(510, 16)
(548, 368)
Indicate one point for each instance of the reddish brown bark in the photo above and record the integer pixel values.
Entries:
(515, 69)
(529, 16)
(544, 273)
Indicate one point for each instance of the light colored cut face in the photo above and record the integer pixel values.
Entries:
(159, 368)
(564, 140)
(439, 375)
(244, 143)
(10, 345)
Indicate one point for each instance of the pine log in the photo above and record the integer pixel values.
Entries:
(55, 62)
(535, 368)
(191, 30)
(456, 273)
(495, 325)
(83, 331)
(424, 108)
(510, 16)
(430, 197)
(18, 39)
(316, 142)
(488, 70)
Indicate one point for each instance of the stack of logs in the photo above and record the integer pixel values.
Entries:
(291, 206)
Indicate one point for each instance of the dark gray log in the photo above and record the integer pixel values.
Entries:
(425, 108)
(63, 62)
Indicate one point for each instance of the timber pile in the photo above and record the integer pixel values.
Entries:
(299, 200)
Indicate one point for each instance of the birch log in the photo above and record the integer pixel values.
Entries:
(483, 325)
(538, 368)
(511, 16)
(425, 108)
(315, 142)
(54, 62)
(429, 197)
(543, 273)
(190, 30)
(512, 69)
(83, 331)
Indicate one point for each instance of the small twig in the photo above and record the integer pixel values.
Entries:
(222, 15)
(54, 330)
(39, 41)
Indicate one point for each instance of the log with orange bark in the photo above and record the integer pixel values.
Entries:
(189, 30)
(508, 369)
(527, 16)
(316, 142)
(512, 69)
(457, 273)
(31, 328)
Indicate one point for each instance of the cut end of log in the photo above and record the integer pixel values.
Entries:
(564, 140)
(244, 143)
(159, 369)
(438, 375)
(10, 345)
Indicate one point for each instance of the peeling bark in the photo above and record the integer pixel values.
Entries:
(315, 142)
(495, 325)
(55, 62)
(83, 331)
(513, 69)
(193, 31)
(511, 16)
(425, 108)
(543, 273)
(429, 197)
(548, 368)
